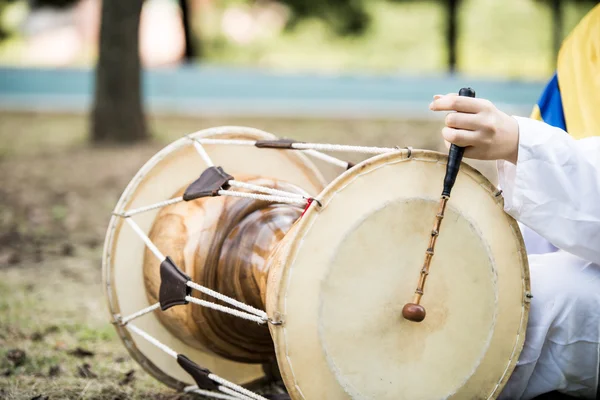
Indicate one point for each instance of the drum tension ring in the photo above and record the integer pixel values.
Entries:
(208, 184)
(276, 320)
(173, 285)
(409, 149)
(199, 374)
(528, 297)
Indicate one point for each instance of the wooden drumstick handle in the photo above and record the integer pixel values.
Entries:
(455, 155)
(415, 311)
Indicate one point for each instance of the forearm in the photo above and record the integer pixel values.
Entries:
(554, 188)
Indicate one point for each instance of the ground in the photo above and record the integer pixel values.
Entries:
(56, 195)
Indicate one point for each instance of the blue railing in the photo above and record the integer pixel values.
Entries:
(232, 91)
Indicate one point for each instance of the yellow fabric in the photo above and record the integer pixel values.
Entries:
(536, 114)
(579, 77)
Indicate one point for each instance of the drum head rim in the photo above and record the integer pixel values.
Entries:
(241, 132)
(277, 304)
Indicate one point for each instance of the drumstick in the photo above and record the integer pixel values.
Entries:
(415, 311)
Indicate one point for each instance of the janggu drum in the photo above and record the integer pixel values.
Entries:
(230, 260)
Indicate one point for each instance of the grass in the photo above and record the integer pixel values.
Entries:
(56, 194)
(53, 311)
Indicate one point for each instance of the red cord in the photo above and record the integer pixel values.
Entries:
(308, 203)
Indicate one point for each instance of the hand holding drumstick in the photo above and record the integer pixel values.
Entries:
(485, 132)
(476, 129)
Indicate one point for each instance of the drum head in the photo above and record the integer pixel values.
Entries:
(348, 268)
(168, 171)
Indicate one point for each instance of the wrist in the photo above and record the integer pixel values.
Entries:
(511, 140)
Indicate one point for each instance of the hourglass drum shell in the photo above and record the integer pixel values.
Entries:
(161, 178)
(222, 243)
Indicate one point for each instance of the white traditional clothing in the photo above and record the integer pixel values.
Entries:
(554, 189)
(534, 243)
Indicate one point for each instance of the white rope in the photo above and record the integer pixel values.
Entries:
(233, 393)
(316, 154)
(161, 204)
(235, 387)
(202, 153)
(343, 147)
(227, 310)
(264, 189)
(263, 197)
(307, 146)
(138, 314)
(208, 393)
(152, 340)
(229, 300)
(146, 240)
(327, 158)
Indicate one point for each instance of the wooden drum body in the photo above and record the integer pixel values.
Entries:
(333, 278)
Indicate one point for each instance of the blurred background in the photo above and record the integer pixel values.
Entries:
(90, 90)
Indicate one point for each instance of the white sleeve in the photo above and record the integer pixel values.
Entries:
(554, 188)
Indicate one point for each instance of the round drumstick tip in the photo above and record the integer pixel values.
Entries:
(413, 312)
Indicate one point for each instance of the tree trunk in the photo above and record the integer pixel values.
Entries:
(118, 111)
(556, 29)
(190, 47)
(451, 34)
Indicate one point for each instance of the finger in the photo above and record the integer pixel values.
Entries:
(439, 96)
(475, 153)
(458, 103)
(459, 120)
(470, 151)
(459, 137)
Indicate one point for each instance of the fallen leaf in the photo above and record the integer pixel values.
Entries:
(81, 352)
(60, 345)
(38, 256)
(10, 257)
(85, 371)
(54, 370)
(16, 356)
(129, 377)
(67, 250)
(52, 329)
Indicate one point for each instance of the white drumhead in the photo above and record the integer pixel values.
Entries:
(167, 172)
(350, 267)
